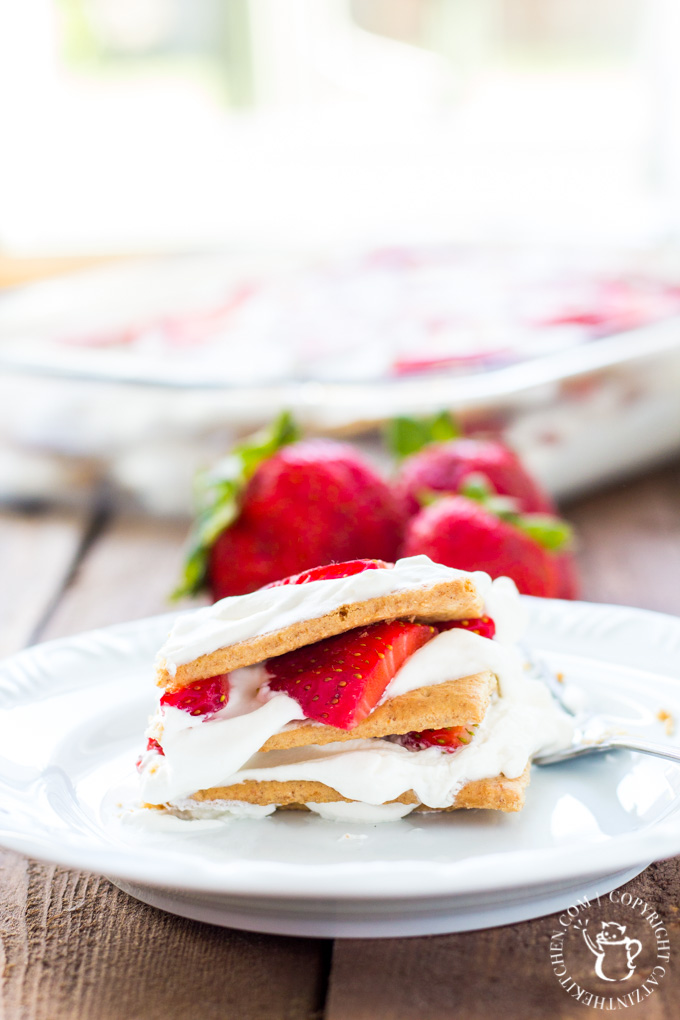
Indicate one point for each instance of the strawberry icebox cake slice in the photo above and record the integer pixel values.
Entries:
(360, 691)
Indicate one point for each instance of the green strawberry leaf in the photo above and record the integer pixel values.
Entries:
(217, 497)
(550, 532)
(405, 436)
(478, 487)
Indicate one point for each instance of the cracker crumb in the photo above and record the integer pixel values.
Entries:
(667, 718)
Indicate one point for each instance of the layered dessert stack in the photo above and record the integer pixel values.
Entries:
(360, 690)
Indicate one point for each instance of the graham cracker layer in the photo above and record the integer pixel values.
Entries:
(452, 703)
(496, 794)
(449, 600)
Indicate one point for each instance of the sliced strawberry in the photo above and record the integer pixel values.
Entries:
(203, 697)
(482, 625)
(339, 681)
(449, 739)
(151, 745)
(330, 571)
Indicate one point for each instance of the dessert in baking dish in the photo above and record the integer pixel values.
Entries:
(361, 690)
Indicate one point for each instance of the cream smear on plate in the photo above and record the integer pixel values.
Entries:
(242, 617)
(341, 811)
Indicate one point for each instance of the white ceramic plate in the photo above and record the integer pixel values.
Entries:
(72, 713)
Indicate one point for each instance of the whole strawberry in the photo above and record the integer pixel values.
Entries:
(444, 467)
(278, 506)
(460, 532)
(439, 460)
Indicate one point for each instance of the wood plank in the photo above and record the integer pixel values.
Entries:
(501, 972)
(74, 947)
(629, 552)
(629, 542)
(13, 929)
(88, 951)
(127, 574)
(37, 552)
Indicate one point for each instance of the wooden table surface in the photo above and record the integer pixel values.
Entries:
(73, 946)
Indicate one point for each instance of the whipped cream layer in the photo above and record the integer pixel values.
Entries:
(452, 655)
(223, 750)
(242, 617)
(517, 725)
(375, 771)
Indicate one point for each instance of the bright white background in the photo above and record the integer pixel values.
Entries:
(440, 119)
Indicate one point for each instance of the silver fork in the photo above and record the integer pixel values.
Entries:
(581, 747)
(595, 735)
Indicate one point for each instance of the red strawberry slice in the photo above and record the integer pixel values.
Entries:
(482, 625)
(151, 745)
(331, 571)
(449, 739)
(339, 681)
(203, 697)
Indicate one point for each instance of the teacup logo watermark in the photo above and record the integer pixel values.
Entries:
(612, 935)
(610, 952)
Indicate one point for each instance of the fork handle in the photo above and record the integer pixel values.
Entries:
(612, 744)
(646, 747)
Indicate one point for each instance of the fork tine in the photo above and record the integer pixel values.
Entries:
(541, 671)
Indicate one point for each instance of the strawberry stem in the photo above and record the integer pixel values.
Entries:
(217, 497)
